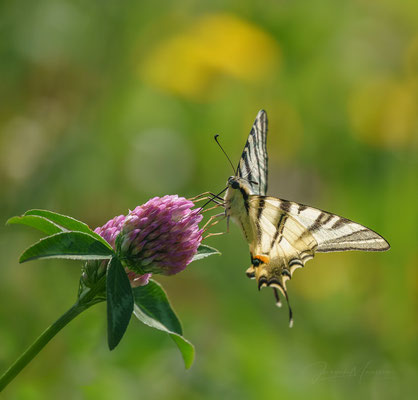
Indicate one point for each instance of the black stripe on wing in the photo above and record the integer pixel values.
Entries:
(253, 163)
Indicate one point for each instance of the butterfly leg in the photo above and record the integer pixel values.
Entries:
(214, 234)
(212, 208)
(199, 197)
(212, 221)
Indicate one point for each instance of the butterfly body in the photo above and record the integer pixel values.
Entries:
(283, 235)
(237, 206)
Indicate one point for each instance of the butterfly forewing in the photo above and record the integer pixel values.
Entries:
(253, 163)
(331, 232)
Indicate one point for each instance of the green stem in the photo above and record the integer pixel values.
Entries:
(85, 301)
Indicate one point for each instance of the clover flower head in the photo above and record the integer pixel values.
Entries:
(111, 229)
(160, 236)
(94, 269)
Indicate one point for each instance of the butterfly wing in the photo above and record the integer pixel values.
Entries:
(253, 162)
(282, 243)
(288, 234)
(331, 232)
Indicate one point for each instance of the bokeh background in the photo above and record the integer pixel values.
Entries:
(106, 104)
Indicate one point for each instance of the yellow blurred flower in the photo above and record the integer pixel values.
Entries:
(384, 112)
(411, 59)
(193, 63)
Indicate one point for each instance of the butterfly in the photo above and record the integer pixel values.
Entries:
(282, 235)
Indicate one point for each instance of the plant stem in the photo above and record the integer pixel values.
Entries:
(83, 303)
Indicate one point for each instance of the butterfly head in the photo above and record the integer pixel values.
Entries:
(235, 182)
(237, 194)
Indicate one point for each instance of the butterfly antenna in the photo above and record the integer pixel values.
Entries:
(213, 198)
(216, 140)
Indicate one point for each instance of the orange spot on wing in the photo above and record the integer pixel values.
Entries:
(263, 259)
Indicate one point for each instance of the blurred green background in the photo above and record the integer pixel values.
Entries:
(105, 104)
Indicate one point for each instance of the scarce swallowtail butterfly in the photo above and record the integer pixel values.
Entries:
(282, 235)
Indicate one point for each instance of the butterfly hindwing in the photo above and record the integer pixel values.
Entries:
(253, 163)
(283, 243)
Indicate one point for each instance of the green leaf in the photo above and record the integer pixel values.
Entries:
(37, 222)
(153, 309)
(67, 223)
(205, 251)
(72, 245)
(153, 300)
(120, 302)
(186, 349)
